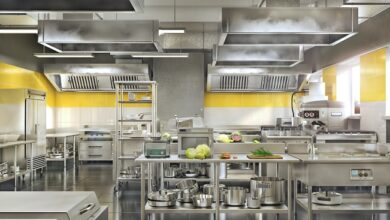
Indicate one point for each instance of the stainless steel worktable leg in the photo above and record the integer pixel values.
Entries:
(309, 203)
(65, 158)
(142, 191)
(216, 186)
(32, 167)
(289, 199)
(15, 165)
(295, 198)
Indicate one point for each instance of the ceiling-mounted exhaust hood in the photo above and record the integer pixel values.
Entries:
(95, 77)
(227, 79)
(99, 36)
(287, 26)
(366, 2)
(17, 6)
(261, 56)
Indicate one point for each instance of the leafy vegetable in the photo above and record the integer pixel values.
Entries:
(201, 152)
(190, 153)
(204, 149)
(223, 138)
(261, 152)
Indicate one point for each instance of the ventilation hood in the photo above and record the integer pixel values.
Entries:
(227, 79)
(95, 77)
(278, 56)
(18, 6)
(287, 26)
(97, 36)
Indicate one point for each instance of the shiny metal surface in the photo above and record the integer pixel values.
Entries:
(210, 190)
(235, 196)
(257, 56)
(95, 77)
(229, 79)
(284, 26)
(273, 189)
(202, 200)
(346, 137)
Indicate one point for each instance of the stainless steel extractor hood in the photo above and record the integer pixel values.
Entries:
(99, 36)
(95, 77)
(17, 6)
(287, 26)
(366, 2)
(261, 56)
(227, 79)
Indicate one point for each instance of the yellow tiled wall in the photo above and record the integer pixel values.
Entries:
(329, 76)
(247, 99)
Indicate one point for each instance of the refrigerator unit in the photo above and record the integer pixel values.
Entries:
(23, 112)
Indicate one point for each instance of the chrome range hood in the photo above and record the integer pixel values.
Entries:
(287, 26)
(18, 6)
(95, 77)
(261, 56)
(98, 36)
(229, 79)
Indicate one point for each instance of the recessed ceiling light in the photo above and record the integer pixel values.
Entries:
(64, 55)
(174, 30)
(151, 55)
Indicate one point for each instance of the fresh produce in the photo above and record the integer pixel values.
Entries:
(261, 152)
(204, 149)
(166, 136)
(256, 141)
(190, 153)
(225, 156)
(224, 138)
(201, 152)
(236, 136)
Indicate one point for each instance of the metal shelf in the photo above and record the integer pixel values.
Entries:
(127, 157)
(354, 203)
(135, 101)
(12, 176)
(179, 208)
(135, 120)
(128, 179)
(198, 179)
(278, 209)
(58, 159)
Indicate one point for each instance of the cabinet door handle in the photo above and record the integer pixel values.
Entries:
(87, 208)
(95, 155)
(92, 146)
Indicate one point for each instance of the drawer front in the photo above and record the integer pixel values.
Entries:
(96, 147)
(88, 155)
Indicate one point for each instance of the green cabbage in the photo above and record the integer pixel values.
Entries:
(223, 138)
(203, 149)
(191, 153)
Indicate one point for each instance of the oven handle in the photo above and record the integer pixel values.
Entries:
(87, 208)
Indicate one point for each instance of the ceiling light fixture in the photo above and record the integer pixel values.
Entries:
(64, 55)
(18, 30)
(172, 30)
(152, 55)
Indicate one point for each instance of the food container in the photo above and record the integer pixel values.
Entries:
(273, 189)
(327, 198)
(163, 196)
(171, 172)
(191, 175)
(187, 184)
(187, 195)
(235, 196)
(202, 200)
(253, 202)
(209, 190)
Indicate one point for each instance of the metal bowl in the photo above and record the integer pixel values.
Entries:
(187, 184)
(163, 196)
(202, 200)
(162, 203)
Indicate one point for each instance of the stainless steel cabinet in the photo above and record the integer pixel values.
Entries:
(95, 151)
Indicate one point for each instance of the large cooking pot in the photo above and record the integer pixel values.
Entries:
(273, 189)
(235, 196)
(209, 190)
(163, 196)
(187, 184)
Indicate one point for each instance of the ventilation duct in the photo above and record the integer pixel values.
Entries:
(251, 80)
(96, 77)
(278, 56)
(17, 6)
(287, 26)
(99, 36)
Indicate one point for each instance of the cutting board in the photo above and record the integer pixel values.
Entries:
(275, 156)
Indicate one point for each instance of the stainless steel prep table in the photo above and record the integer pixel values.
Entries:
(64, 136)
(337, 170)
(15, 145)
(216, 208)
(51, 205)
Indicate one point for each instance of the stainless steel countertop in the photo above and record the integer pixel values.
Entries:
(341, 158)
(16, 143)
(216, 158)
(62, 135)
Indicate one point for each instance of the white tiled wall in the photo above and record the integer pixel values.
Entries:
(244, 116)
(77, 117)
(372, 114)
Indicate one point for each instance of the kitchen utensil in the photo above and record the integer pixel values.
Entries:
(203, 170)
(327, 198)
(187, 184)
(163, 196)
(209, 190)
(273, 189)
(137, 171)
(191, 175)
(187, 194)
(56, 156)
(171, 172)
(253, 202)
(161, 203)
(156, 149)
(202, 200)
(235, 196)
